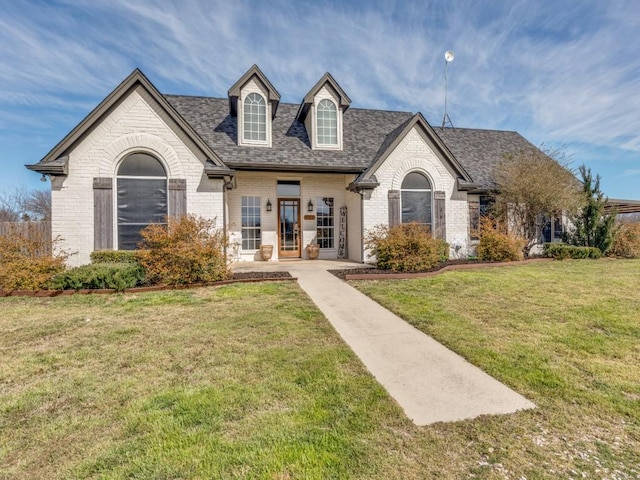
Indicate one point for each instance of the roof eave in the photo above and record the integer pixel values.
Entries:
(135, 79)
(269, 167)
(361, 185)
(58, 167)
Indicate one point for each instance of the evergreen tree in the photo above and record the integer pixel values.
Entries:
(592, 227)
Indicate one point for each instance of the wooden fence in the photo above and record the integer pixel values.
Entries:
(40, 231)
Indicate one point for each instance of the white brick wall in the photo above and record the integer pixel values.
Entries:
(137, 124)
(263, 185)
(414, 154)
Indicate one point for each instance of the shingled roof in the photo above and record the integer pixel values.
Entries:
(365, 133)
(480, 151)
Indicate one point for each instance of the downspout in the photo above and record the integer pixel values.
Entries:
(224, 217)
(361, 227)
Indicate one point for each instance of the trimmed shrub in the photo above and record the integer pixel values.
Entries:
(27, 261)
(561, 251)
(114, 256)
(116, 276)
(187, 250)
(496, 245)
(406, 248)
(626, 241)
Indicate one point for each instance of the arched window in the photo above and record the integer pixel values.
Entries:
(142, 197)
(415, 197)
(255, 118)
(327, 123)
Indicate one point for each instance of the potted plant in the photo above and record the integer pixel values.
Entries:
(313, 250)
(266, 251)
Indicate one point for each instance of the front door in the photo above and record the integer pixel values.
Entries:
(289, 227)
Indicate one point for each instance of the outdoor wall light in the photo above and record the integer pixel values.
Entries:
(310, 206)
(268, 205)
(43, 178)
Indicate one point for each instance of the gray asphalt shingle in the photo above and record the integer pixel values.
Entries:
(366, 132)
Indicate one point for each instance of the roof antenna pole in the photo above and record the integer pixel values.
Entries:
(448, 58)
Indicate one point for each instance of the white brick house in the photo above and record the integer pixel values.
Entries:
(285, 175)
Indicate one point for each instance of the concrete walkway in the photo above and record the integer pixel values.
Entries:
(430, 382)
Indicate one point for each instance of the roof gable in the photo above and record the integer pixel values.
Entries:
(134, 80)
(396, 136)
(254, 72)
(343, 99)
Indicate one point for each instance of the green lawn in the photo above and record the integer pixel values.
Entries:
(250, 381)
(564, 334)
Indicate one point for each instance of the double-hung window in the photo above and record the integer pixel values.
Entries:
(251, 223)
(325, 222)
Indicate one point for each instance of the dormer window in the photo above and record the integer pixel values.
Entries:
(322, 112)
(254, 102)
(327, 123)
(255, 118)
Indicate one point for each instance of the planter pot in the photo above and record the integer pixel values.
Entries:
(266, 251)
(313, 250)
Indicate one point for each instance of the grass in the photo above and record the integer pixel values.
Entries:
(564, 334)
(250, 381)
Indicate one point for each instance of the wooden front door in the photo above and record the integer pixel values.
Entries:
(289, 228)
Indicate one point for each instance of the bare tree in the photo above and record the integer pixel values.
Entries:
(20, 204)
(37, 204)
(534, 185)
(11, 203)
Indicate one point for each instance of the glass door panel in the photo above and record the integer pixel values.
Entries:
(289, 227)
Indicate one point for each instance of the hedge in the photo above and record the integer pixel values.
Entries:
(116, 276)
(560, 251)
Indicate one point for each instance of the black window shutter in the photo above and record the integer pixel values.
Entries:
(103, 213)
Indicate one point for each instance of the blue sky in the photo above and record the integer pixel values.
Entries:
(563, 73)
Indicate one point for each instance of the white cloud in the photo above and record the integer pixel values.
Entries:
(558, 72)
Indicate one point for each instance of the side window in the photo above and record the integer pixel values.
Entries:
(141, 197)
(477, 211)
(251, 223)
(325, 222)
(416, 199)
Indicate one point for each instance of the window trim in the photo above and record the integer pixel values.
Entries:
(332, 238)
(324, 111)
(257, 238)
(117, 177)
(243, 136)
(430, 194)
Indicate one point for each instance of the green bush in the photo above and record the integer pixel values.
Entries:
(114, 256)
(187, 250)
(626, 241)
(498, 246)
(116, 276)
(560, 251)
(26, 258)
(406, 248)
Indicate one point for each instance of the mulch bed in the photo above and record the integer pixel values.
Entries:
(260, 275)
